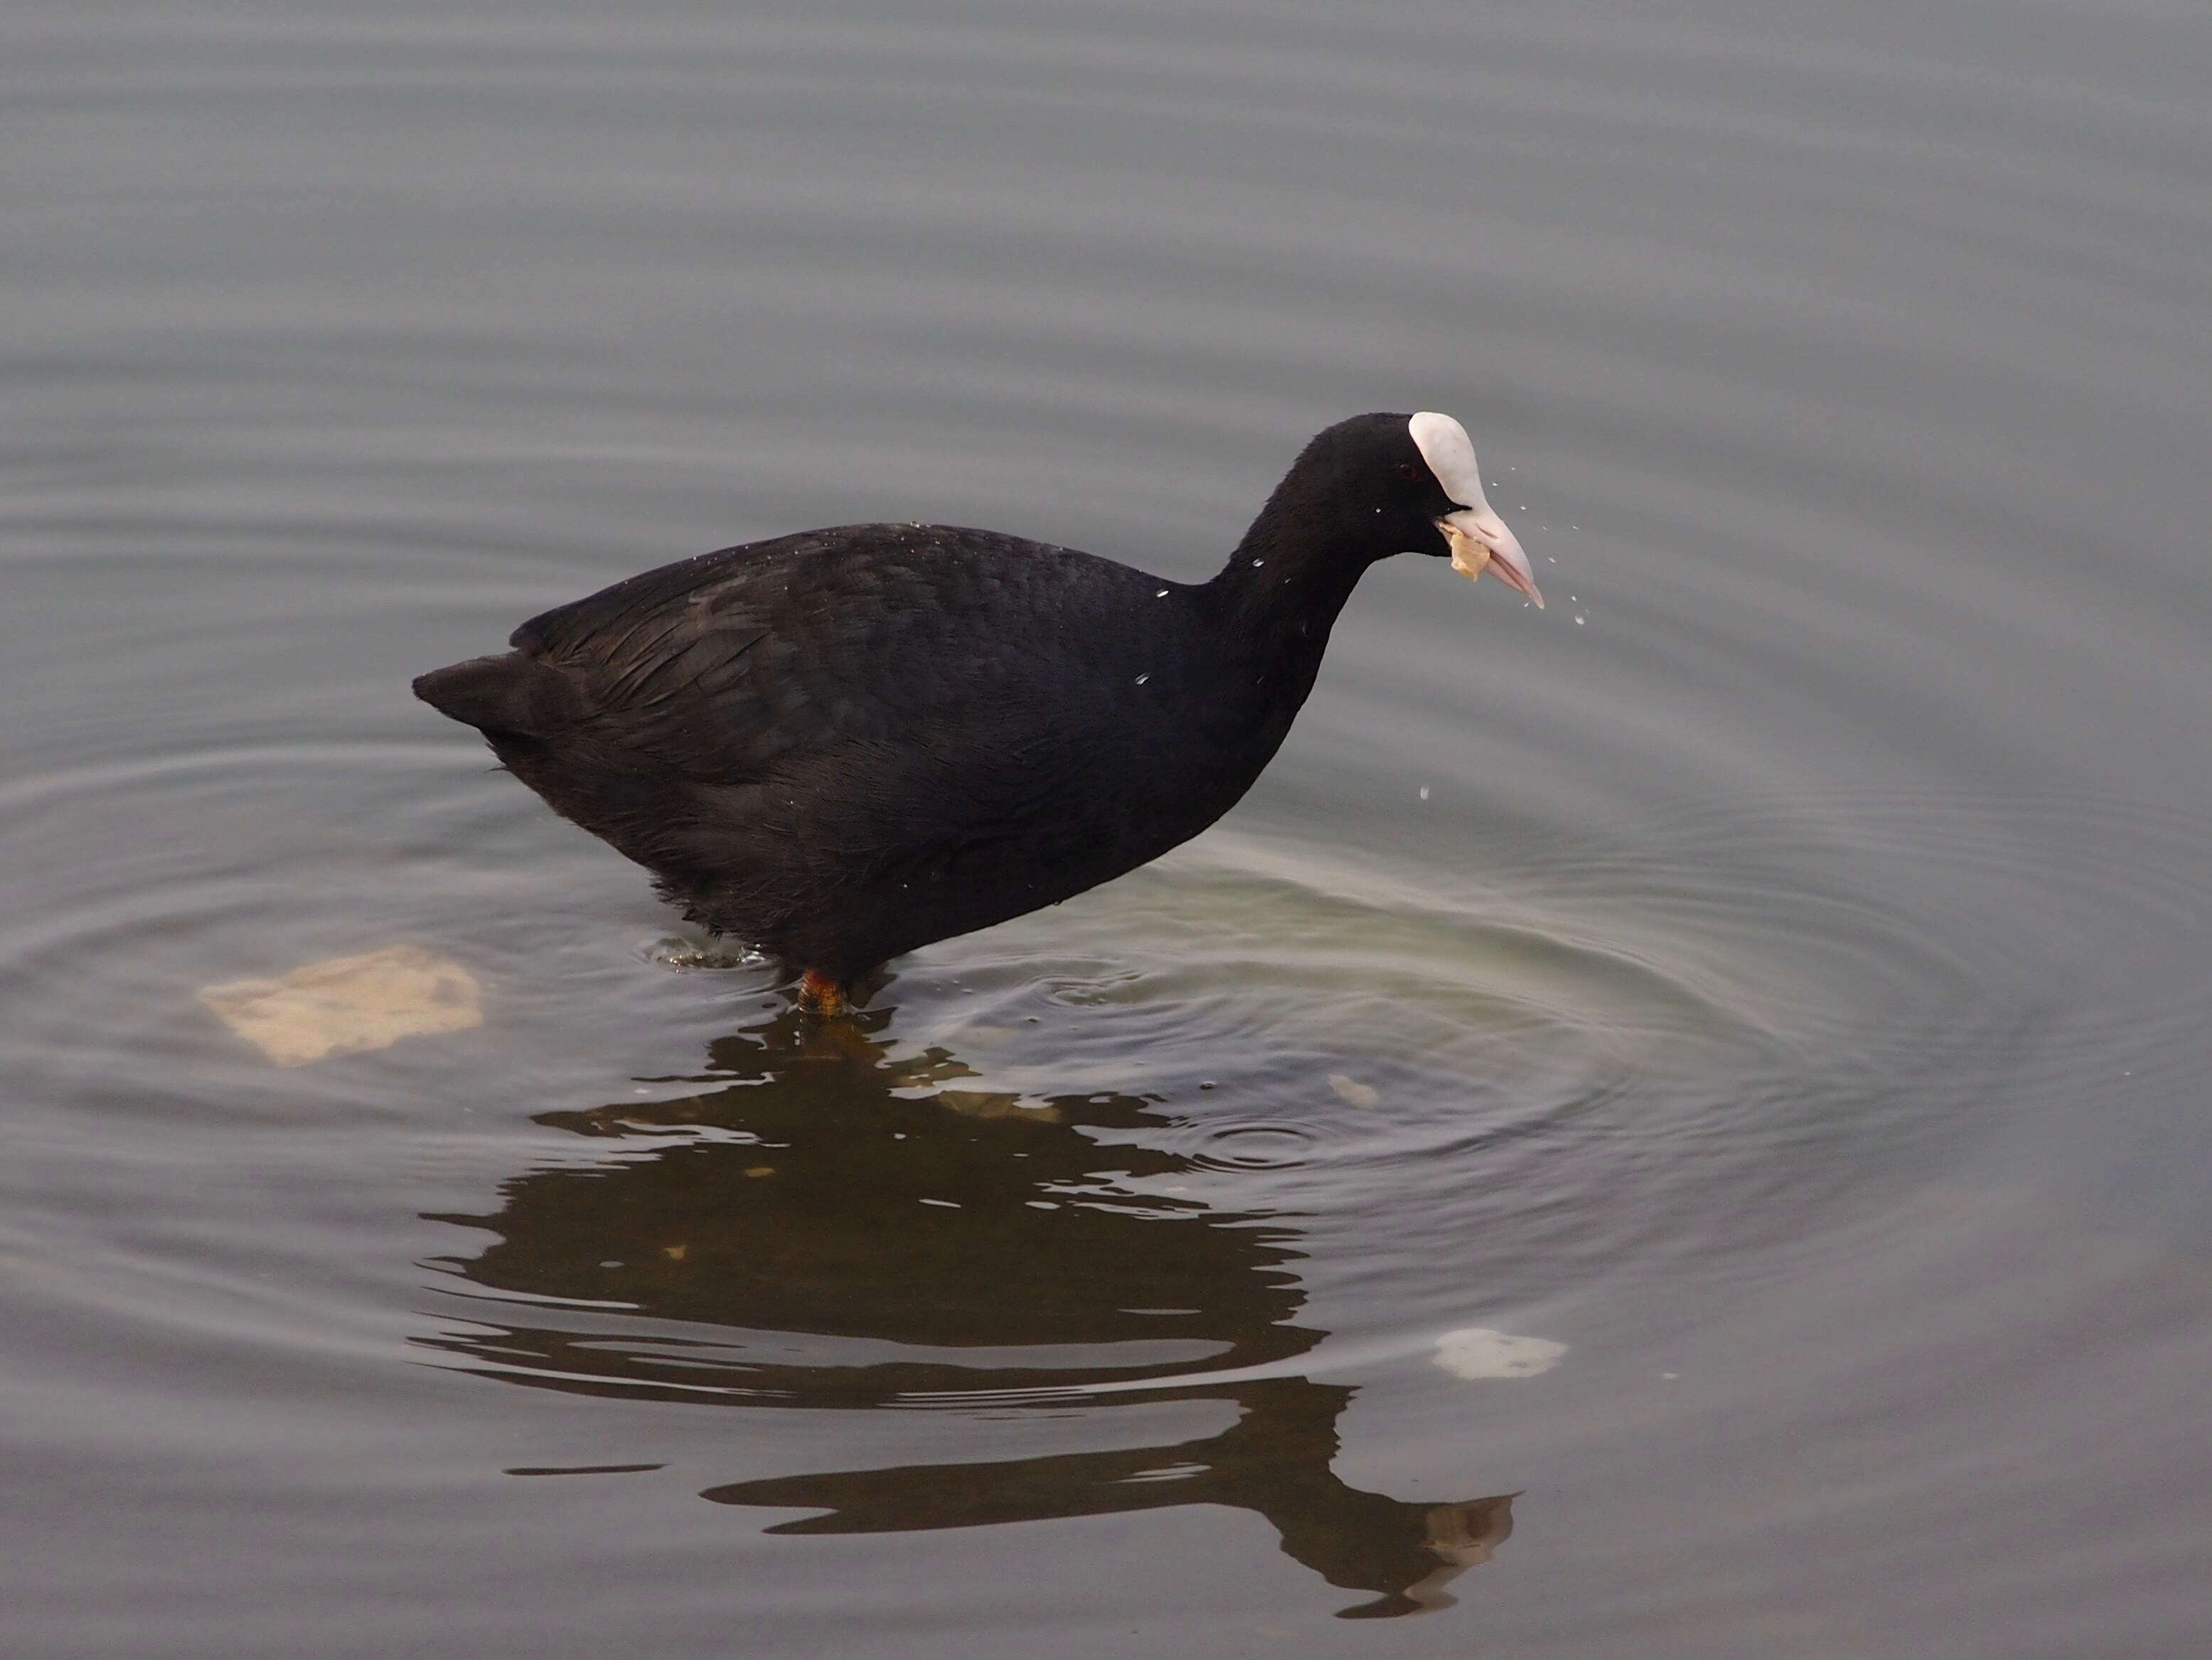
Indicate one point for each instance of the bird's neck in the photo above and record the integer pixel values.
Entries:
(1278, 595)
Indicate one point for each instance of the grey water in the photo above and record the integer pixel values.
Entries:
(1770, 982)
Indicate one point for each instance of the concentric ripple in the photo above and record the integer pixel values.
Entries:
(1265, 1044)
(1766, 989)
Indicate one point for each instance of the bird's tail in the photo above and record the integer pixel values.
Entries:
(513, 695)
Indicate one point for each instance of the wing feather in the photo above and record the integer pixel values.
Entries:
(822, 655)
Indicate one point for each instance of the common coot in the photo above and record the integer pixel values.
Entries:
(844, 745)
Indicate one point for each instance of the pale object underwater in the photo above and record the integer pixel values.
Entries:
(1476, 1352)
(347, 1005)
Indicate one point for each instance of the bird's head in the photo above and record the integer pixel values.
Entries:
(1407, 483)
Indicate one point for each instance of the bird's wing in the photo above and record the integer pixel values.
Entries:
(841, 649)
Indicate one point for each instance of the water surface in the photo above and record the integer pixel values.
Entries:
(1775, 973)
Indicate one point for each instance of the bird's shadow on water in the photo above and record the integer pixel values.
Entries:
(832, 1227)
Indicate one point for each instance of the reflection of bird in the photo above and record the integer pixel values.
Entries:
(846, 744)
(842, 1231)
(1273, 1460)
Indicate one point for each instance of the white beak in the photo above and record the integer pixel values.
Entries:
(1481, 541)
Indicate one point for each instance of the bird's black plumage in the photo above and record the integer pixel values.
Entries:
(846, 744)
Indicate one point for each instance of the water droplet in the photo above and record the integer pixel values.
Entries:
(1425, 791)
(1144, 677)
(1161, 594)
(1256, 564)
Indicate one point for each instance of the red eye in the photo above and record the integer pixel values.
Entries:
(1408, 472)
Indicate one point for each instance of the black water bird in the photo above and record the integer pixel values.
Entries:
(844, 745)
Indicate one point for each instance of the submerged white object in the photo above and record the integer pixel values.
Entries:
(346, 1005)
(1477, 1352)
(1349, 1089)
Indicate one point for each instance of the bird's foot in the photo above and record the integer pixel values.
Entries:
(819, 994)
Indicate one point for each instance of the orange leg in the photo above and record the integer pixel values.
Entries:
(820, 994)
